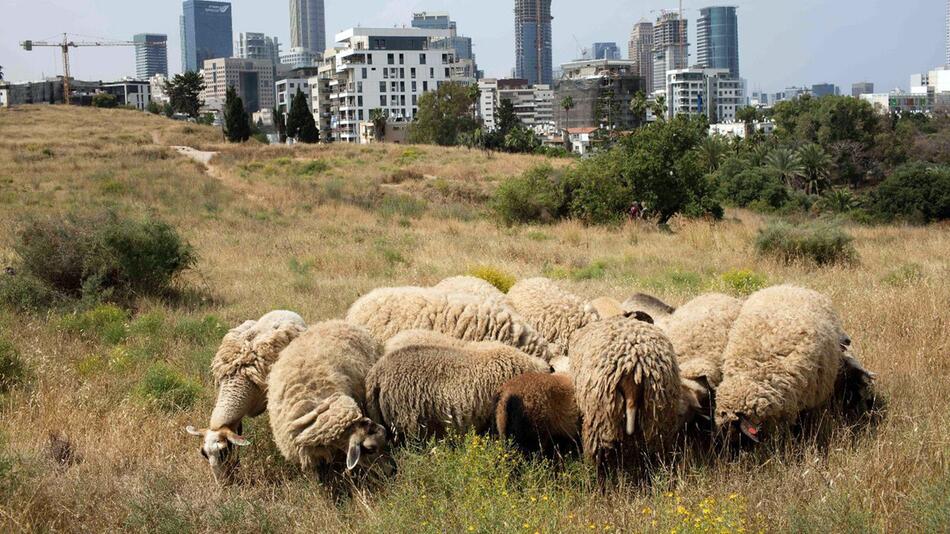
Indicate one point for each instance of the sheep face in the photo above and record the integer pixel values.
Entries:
(367, 441)
(219, 447)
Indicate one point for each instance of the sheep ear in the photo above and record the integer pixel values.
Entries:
(235, 439)
(353, 456)
(640, 316)
(194, 431)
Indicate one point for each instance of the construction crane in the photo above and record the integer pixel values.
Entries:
(66, 44)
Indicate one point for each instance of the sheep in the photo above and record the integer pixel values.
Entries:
(555, 313)
(607, 307)
(469, 285)
(387, 311)
(787, 353)
(316, 394)
(410, 338)
(699, 331)
(539, 413)
(425, 390)
(649, 304)
(628, 391)
(240, 369)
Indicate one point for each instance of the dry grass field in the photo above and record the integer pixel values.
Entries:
(311, 229)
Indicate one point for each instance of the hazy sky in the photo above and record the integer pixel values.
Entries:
(782, 42)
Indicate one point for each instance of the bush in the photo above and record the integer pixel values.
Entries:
(102, 257)
(105, 323)
(104, 100)
(25, 293)
(743, 282)
(741, 187)
(535, 196)
(821, 243)
(496, 277)
(12, 368)
(168, 389)
(915, 192)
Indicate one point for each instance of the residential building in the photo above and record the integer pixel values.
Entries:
(947, 62)
(205, 33)
(533, 58)
(258, 46)
(738, 129)
(286, 90)
(130, 92)
(151, 55)
(533, 104)
(453, 41)
(157, 89)
(439, 20)
(824, 89)
(297, 57)
(601, 91)
(253, 79)
(580, 140)
(308, 25)
(717, 39)
(670, 47)
(861, 88)
(606, 51)
(900, 102)
(378, 68)
(936, 81)
(641, 52)
(710, 92)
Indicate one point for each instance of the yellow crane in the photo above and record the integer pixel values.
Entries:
(66, 44)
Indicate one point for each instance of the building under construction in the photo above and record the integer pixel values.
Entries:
(601, 91)
(670, 48)
(533, 41)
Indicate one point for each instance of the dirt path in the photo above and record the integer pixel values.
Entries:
(201, 157)
(204, 158)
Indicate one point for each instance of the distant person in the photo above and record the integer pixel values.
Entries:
(636, 210)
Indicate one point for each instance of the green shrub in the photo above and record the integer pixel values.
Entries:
(12, 368)
(314, 167)
(202, 331)
(496, 277)
(26, 293)
(743, 281)
(593, 271)
(905, 275)
(598, 197)
(535, 196)
(104, 100)
(168, 389)
(740, 186)
(915, 192)
(402, 206)
(102, 257)
(106, 323)
(821, 243)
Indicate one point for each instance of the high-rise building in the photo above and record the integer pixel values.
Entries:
(601, 91)
(861, 88)
(151, 55)
(641, 52)
(258, 46)
(819, 90)
(948, 33)
(532, 104)
(710, 92)
(606, 51)
(253, 79)
(717, 39)
(308, 27)
(205, 33)
(533, 58)
(432, 21)
(452, 41)
(670, 47)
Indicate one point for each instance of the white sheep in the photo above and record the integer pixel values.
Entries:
(316, 396)
(387, 311)
(469, 285)
(240, 369)
(699, 331)
(552, 311)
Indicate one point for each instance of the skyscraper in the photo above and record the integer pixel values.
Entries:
(205, 33)
(948, 33)
(462, 45)
(717, 39)
(258, 46)
(641, 52)
(533, 61)
(308, 26)
(606, 51)
(151, 55)
(670, 49)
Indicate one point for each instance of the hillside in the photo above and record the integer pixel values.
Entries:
(312, 228)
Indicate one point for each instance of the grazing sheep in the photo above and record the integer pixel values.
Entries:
(387, 311)
(240, 369)
(469, 285)
(699, 331)
(425, 390)
(315, 398)
(555, 313)
(607, 307)
(787, 353)
(649, 304)
(628, 390)
(539, 413)
(412, 338)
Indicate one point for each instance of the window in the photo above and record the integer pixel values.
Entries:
(425, 86)
(422, 59)
(359, 87)
(402, 73)
(382, 87)
(432, 72)
(402, 59)
(364, 73)
(402, 100)
(386, 74)
(445, 58)
(382, 100)
(414, 87)
(402, 87)
(391, 59)
(415, 100)
(359, 101)
(412, 72)
(360, 113)
(447, 75)
(369, 59)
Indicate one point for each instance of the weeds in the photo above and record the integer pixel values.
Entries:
(820, 243)
(12, 367)
(494, 276)
(743, 282)
(166, 388)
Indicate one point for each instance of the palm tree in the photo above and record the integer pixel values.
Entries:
(712, 150)
(568, 104)
(659, 107)
(474, 94)
(786, 164)
(748, 115)
(638, 106)
(838, 201)
(817, 166)
(379, 119)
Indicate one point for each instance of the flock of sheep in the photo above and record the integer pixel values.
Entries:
(622, 383)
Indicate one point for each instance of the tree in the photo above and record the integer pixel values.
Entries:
(659, 107)
(168, 110)
(816, 164)
(786, 165)
(237, 123)
(638, 106)
(506, 120)
(379, 118)
(280, 125)
(444, 114)
(104, 100)
(568, 104)
(521, 139)
(153, 107)
(748, 115)
(474, 93)
(300, 123)
(711, 151)
(184, 92)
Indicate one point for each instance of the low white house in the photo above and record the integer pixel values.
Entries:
(580, 140)
(738, 129)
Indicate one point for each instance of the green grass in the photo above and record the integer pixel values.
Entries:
(105, 323)
(166, 388)
(12, 368)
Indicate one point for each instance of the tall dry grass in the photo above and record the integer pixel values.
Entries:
(273, 229)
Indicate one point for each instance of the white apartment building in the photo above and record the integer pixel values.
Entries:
(710, 92)
(286, 90)
(129, 92)
(377, 68)
(533, 105)
(253, 79)
(157, 83)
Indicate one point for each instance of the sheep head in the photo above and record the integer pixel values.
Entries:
(367, 441)
(219, 449)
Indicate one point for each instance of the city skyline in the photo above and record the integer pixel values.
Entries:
(815, 43)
